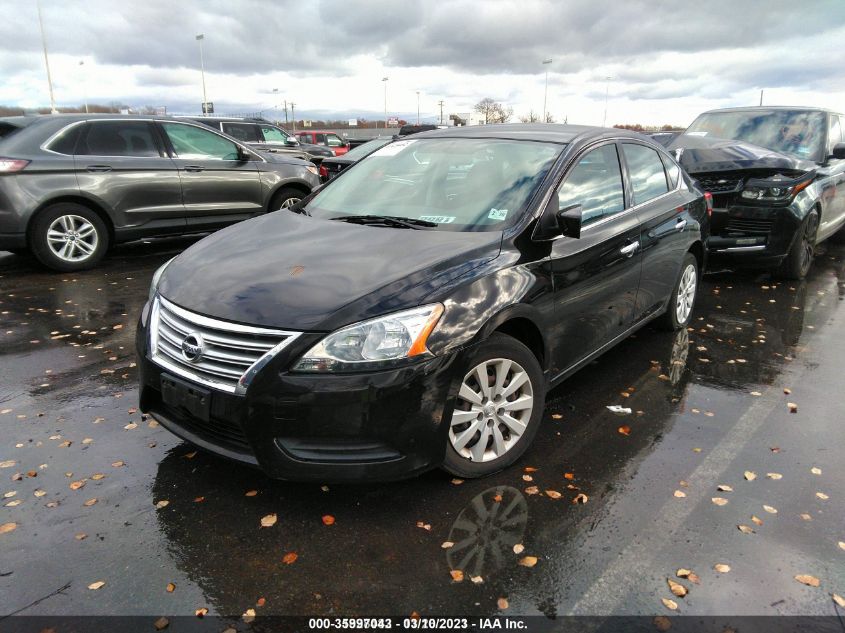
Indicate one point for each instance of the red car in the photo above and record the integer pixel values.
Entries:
(321, 137)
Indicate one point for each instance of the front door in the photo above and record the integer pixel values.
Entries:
(595, 276)
(217, 186)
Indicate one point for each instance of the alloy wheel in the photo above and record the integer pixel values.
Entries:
(808, 240)
(492, 411)
(686, 293)
(287, 203)
(72, 238)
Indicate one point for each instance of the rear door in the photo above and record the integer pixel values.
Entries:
(666, 222)
(596, 276)
(123, 164)
(217, 186)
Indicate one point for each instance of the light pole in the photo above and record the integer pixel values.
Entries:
(606, 88)
(200, 38)
(546, 63)
(384, 80)
(84, 87)
(418, 107)
(46, 60)
(440, 103)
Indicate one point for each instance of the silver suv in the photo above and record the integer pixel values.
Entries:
(73, 185)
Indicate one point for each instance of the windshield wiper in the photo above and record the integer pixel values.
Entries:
(387, 220)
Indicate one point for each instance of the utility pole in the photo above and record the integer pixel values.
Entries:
(761, 97)
(418, 107)
(384, 80)
(84, 87)
(204, 107)
(292, 115)
(440, 103)
(606, 88)
(286, 112)
(46, 60)
(546, 63)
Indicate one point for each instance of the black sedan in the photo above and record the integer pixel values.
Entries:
(413, 313)
(777, 176)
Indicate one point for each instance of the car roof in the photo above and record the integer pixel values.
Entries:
(548, 132)
(769, 109)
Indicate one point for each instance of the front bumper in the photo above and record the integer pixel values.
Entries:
(376, 426)
(752, 236)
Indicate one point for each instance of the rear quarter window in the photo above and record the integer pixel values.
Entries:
(65, 141)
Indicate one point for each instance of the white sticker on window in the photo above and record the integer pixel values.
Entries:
(497, 214)
(439, 219)
(391, 149)
(696, 133)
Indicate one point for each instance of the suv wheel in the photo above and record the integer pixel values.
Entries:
(285, 198)
(497, 410)
(797, 263)
(68, 237)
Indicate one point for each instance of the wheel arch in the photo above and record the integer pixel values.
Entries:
(300, 186)
(74, 199)
(519, 323)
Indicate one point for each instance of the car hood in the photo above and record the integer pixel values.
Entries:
(296, 272)
(702, 154)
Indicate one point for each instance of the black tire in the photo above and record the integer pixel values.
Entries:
(799, 259)
(498, 346)
(40, 245)
(285, 197)
(671, 319)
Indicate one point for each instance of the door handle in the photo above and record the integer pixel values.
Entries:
(681, 224)
(98, 168)
(194, 168)
(629, 249)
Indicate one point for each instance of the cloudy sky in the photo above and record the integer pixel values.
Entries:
(666, 62)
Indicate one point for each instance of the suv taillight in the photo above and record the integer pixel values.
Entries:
(11, 165)
(324, 173)
(708, 201)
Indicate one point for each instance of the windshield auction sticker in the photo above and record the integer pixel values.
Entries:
(439, 219)
(391, 149)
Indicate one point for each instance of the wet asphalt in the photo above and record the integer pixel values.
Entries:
(709, 409)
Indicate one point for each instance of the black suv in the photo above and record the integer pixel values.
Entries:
(265, 136)
(72, 185)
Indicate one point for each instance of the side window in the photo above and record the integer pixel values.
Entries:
(245, 132)
(321, 139)
(273, 134)
(305, 138)
(596, 184)
(673, 172)
(65, 142)
(835, 135)
(648, 178)
(334, 140)
(118, 138)
(194, 142)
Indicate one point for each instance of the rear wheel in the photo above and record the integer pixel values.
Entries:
(797, 263)
(682, 300)
(498, 408)
(68, 237)
(285, 198)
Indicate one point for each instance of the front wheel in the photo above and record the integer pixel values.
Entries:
(69, 237)
(682, 300)
(497, 410)
(797, 263)
(285, 198)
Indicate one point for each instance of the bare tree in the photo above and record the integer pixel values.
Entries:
(493, 111)
(549, 118)
(531, 117)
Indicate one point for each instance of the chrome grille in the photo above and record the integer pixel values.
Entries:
(716, 184)
(231, 353)
(750, 225)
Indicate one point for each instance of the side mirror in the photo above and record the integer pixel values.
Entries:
(569, 221)
(292, 140)
(243, 155)
(838, 151)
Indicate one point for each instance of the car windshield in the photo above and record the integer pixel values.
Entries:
(458, 184)
(368, 148)
(796, 132)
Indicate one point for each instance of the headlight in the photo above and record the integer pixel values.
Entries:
(756, 190)
(373, 344)
(156, 276)
(313, 170)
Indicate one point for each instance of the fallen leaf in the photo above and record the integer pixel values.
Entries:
(532, 490)
(527, 478)
(130, 426)
(117, 464)
(680, 494)
(556, 416)
(615, 408)
(581, 498)
(447, 544)
(8, 463)
(97, 476)
(457, 575)
(774, 476)
(260, 602)
(96, 585)
(497, 498)
(476, 580)
(816, 471)
(624, 430)
(249, 615)
(677, 588)
(745, 529)
(822, 496)
(7, 527)
(719, 501)
(669, 604)
(662, 623)
(569, 476)
(787, 390)
(39, 493)
(841, 544)
(724, 488)
(76, 485)
(161, 624)
(770, 509)
(162, 504)
(756, 393)
(756, 520)
(190, 455)
(502, 603)
(553, 494)
(290, 558)
(806, 517)
(81, 536)
(530, 469)
(251, 493)
(793, 408)
(722, 568)
(838, 599)
(269, 520)
(528, 561)
(805, 579)
(201, 612)
(519, 548)
(683, 572)
(420, 524)
(750, 476)
(170, 587)
(199, 499)
(13, 504)
(457, 482)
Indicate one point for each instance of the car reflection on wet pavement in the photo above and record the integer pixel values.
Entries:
(97, 493)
